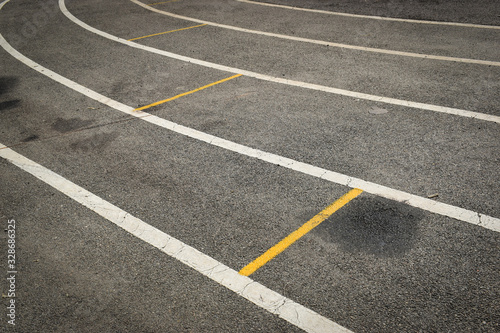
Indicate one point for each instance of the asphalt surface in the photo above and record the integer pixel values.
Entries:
(376, 265)
(479, 12)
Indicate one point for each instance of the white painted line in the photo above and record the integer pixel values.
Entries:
(467, 25)
(243, 286)
(454, 212)
(321, 42)
(342, 92)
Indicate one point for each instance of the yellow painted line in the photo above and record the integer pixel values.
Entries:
(187, 93)
(159, 3)
(304, 229)
(167, 32)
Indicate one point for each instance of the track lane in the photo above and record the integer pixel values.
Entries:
(372, 17)
(369, 187)
(343, 92)
(472, 247)
(493, 39)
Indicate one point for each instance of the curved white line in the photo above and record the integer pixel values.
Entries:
(265, 298)
(321, 42)
(467, 25)
(436, 207)
(342, 92)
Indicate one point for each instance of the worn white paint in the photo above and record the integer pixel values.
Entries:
(342, 92)
(372, 17)
(458, 213)
(322, 42)
(243, 286)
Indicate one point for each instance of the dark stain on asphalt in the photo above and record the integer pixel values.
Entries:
(68, 125)
(373, 225)
(31, 138)
(97, 142)
(9, 104)
(6, 84)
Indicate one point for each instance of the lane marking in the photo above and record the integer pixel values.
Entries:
(263, 297)
(429, 205)
(342, 92)
(187, 93)
(167, 32)
(159, 3)
(297, 234)
(321, 42)
(468, 25)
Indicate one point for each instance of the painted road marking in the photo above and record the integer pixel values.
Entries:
(297, 234)
(426, 204)
(321, 42)
(468, 25)
(167, 32)
(342, 92)
(256, 293)
(187, 93)
(159, 3)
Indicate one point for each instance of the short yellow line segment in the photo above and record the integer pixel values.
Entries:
(187, 93)
(167, 32)
(304, 229)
